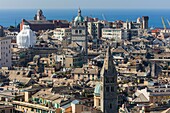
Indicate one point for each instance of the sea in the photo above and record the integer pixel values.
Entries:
(12, 17)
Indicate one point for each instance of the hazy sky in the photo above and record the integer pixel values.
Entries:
(54, 4)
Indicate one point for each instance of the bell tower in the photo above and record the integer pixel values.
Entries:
(108, 90)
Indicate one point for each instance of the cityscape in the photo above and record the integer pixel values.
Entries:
(84, 65)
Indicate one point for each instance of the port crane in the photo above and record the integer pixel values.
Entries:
(163, 22)
(103, 17)
(168, 22)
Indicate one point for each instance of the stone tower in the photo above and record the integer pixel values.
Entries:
(79, 33)
(145, 22)
(108, 90)
(39, 15)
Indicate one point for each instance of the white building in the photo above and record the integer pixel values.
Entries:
(5, 52)
(60, 58)
(26, 38)
(59, 33)
(115, 34)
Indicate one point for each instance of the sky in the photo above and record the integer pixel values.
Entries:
(86, 4)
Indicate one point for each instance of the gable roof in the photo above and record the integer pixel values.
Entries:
(119, 50)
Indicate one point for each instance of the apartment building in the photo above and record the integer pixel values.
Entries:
(5, 50)
(115, 34)
(59, 33)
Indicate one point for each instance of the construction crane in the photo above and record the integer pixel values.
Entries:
(168, 22)
(163, 22)
(103, 17)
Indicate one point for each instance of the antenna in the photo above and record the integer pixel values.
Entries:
(15, 23)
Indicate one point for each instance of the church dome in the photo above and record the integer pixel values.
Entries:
(97, 90)
(79, 18)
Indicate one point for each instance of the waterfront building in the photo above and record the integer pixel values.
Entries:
(145, 22)
(79, 33)
(37, 25)
(40, 23)
(5, 50)
(26, 38)
(1, 31)
(118, 24)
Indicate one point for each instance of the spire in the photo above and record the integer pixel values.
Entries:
(108, 68)
(79, 12)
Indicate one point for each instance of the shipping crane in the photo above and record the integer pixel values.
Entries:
(103, 17)
(168, 22)
(163, 22)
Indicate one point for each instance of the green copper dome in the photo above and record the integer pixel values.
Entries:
(79, 18)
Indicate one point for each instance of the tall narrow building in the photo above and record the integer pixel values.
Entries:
(145, 20)
(108, 90)
(79, 33)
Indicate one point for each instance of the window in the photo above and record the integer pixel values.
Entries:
(107, 80)
(110, 106)
(88, 76)
(107, 89)
(3, 111)
(112, 88)
(80, 31)
(76, 31)
(78, 76)
(112, 80)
